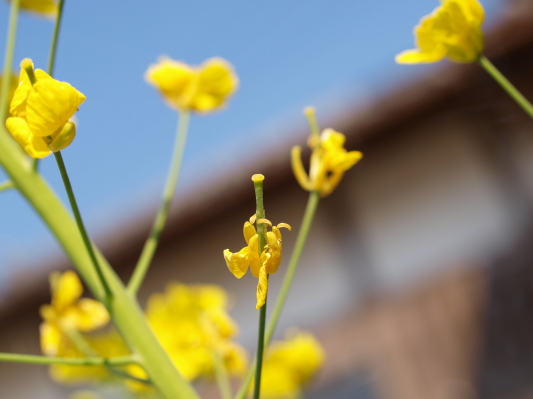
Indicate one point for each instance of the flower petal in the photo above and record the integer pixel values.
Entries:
(50, 339)
(66, 289)
(33, 145)
(215, 83)
(50, 105)
(89, 315)
(237, 262)
(262, 288)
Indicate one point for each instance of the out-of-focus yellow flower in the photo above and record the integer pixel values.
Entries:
(46, 8)
(261, 266)
(200, 89)
(193, 326)
(41, 113)
(329, 161)
(68, 312)
(452, 30)
(12, 82)
(105, 344)
(289, 365)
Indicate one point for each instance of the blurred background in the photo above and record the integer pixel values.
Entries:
(417, 275)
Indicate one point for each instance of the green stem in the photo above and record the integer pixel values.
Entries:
(310, 211)
(8, 58)
(506, 85)
(221, 376)
(87, 361)
(53, 52)
(168, 193)
(55, 37)
(6, 185)
(261, 233)
(81, 225)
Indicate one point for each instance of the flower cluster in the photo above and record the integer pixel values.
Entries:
(192, 324)
(41, 110)
(200, 89)
(329, 161)
(289, 365)
(453, 30)
(260, 265)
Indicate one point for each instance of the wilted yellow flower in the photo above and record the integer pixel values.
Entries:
(289, 365)
(453, 30)
(46, 8)
(68, 312)
(41, 112)
(329, 161)
(192, 325)
(261, 266)
(201, 89)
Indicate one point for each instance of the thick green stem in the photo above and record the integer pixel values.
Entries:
(506, 85)
(124, 309)
(168, 194)
(305, 227)
(8, 59)
(72, 361)
(79, 221)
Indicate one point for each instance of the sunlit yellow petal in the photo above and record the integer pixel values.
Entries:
(237, 262)
(215, 83)
(298, 168)
(66, 290)
(262, 288)
(50, 105)
(249, 231)
(33, 145)
(63, 138)
(90, 315)
(253, 255)
(45, 8)
(50, 339)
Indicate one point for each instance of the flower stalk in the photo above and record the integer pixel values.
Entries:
(305, 227)
(71, 361)
(506, 85)
(261, 232)
(152, 242)
(8, 57)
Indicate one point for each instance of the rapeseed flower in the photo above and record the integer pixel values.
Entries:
(329, 162)
(199, 89)
(45, 8)
(452, 30)
(68, 312)
(289, 365)
(12, 81)
(261, 266)
(41, 112)
(192, 324)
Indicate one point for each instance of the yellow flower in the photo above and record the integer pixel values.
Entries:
(41, 112)
(201, 89)
(193, 326)
(329, 161)
(289, 365)
(453, 30)
(46, 8)
(260, 266)
(68, 312)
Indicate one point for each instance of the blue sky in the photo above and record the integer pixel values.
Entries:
(288, 54)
